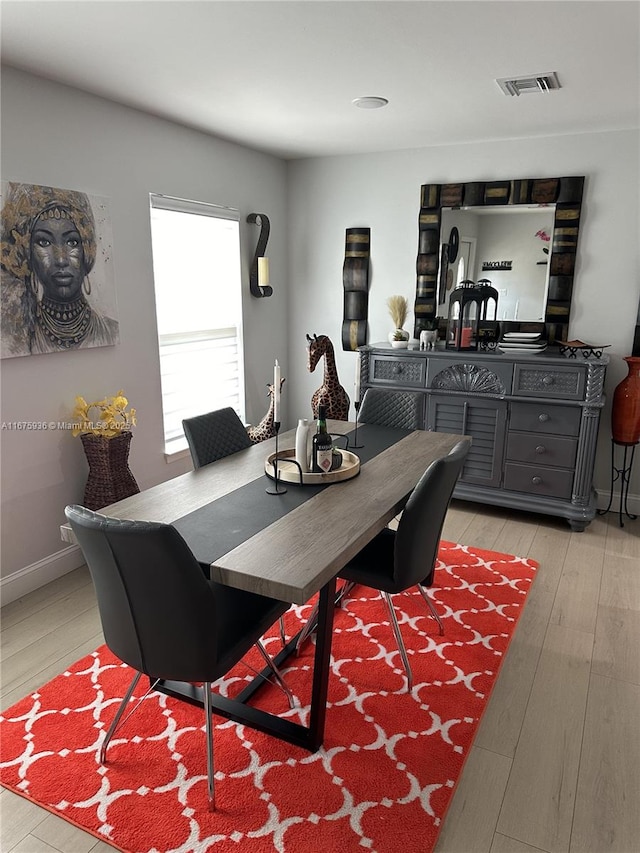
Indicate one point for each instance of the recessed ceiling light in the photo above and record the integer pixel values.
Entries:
(370, 102)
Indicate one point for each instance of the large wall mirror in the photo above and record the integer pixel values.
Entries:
(521, 235)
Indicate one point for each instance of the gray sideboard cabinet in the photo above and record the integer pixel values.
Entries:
(533, 420)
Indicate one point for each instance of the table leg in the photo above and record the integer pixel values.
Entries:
(321, 665)
(308, 737)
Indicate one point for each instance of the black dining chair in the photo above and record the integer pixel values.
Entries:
(396, 560)
(162, 616)
(215, 435)
(397, 409)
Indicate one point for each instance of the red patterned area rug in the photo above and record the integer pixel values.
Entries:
(382, 782)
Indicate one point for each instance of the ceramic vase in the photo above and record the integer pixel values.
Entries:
(625, 413)
(110, 478)
(302, 444)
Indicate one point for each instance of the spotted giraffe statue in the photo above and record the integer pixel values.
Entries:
(265, 428)
(330, 393)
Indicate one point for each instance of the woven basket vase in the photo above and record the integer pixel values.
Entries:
(110, 478)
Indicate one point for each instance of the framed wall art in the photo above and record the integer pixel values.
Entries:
(56, 280)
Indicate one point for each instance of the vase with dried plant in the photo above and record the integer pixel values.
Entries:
(398, 308)
(104, 427)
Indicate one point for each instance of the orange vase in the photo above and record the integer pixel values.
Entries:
(625, 414)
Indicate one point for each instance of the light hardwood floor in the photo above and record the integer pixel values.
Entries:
(556, 763)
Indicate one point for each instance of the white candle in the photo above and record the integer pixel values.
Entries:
(356, 395)
(276, 392)
(263, 272)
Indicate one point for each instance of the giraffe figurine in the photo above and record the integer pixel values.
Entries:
(330, 393)
(265, 429)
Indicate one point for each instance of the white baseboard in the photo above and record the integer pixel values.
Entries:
(633, 502)
(38, 574)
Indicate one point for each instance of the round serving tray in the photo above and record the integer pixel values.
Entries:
(288, 471)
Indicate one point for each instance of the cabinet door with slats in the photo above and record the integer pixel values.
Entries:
(485, 422)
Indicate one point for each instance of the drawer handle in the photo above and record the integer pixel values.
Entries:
(543, 418)
(547, 380)
(536, 480)
(397, 368)
(541, 449)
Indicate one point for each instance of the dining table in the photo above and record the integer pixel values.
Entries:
(290, 545)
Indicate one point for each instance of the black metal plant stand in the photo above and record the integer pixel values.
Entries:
(276, 489)
(622, 474)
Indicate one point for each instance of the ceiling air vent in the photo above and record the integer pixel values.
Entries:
(532, 83)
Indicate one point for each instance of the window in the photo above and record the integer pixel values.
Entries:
(196, 268)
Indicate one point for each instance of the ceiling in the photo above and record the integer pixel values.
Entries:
(280, 75)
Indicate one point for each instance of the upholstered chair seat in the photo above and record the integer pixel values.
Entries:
(397, 560)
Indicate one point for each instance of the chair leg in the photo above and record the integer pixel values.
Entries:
(277, 674)
(431, 607)
(309, 628)
(346, 588)
(119, 713)
(208, 710)
(396, 630)
(283, 636)
(312, 622)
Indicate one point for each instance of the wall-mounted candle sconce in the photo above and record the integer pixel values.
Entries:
(259, 273)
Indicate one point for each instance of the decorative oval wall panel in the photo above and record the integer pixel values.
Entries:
(355, 280)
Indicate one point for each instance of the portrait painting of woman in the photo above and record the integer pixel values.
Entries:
(50, 245)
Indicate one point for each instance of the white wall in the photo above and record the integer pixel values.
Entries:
(382, 191)
(58, 136)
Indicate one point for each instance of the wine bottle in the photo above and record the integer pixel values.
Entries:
(321, 454)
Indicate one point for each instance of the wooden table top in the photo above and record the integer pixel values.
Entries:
(295, 556)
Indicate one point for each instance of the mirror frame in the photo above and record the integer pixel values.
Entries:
(564, 193)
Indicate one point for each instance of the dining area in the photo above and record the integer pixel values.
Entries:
(283, 548)
(334, 720)
(236, 664)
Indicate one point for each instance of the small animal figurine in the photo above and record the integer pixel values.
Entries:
(265, 429)
(330, 393)
(428, 338)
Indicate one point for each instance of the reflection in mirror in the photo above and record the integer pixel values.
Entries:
(509, 246)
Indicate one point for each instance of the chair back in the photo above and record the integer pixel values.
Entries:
(396, 409)
(420, 527)
(215, 435)
(156, 607)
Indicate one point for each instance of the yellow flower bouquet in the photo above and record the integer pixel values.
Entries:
(108, 417)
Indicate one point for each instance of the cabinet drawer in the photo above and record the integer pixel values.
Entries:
(542, 449)
(538, 417)
(538, 480)
(534, 380)
(398, 370)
